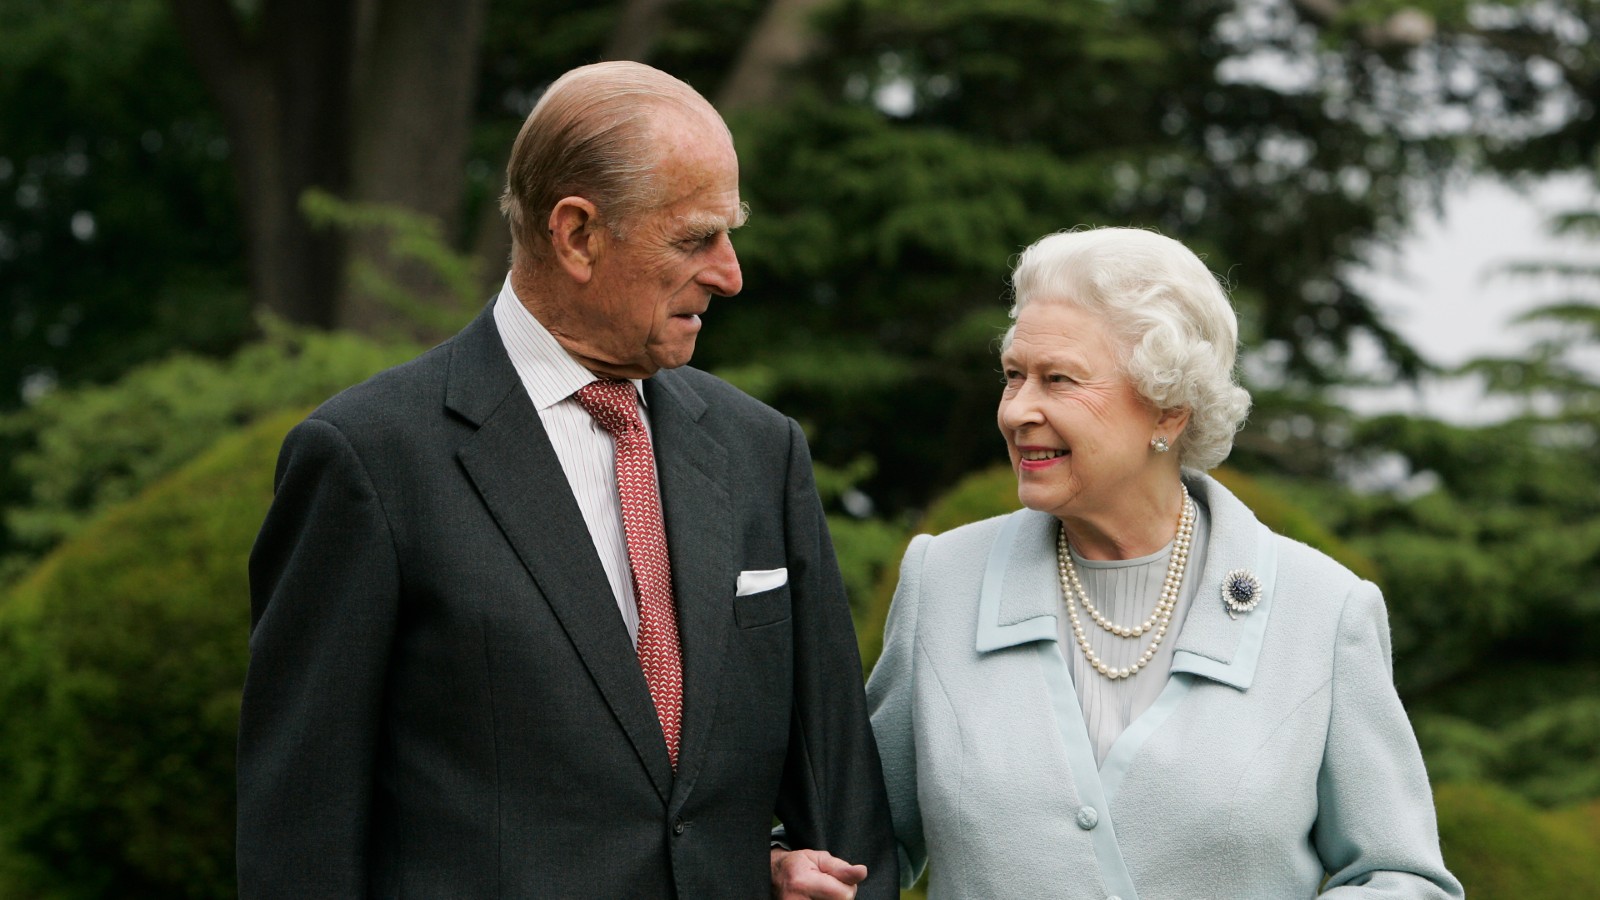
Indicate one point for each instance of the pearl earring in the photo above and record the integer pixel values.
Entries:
(1159, 444)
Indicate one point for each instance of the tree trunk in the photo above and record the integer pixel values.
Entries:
(416, 71)
(782, 38)
(283, 92)
(369, 100)
(634, 36)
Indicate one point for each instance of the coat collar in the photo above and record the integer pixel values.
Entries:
(1021, 596)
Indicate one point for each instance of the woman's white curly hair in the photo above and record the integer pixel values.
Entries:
(1178, 330)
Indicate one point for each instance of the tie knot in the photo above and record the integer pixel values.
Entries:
(613, 404)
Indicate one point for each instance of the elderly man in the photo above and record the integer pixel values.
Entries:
(540, 613)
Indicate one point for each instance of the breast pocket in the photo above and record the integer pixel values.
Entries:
(765, 608)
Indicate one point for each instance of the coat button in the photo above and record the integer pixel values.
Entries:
(1088, 818)
(677, 828)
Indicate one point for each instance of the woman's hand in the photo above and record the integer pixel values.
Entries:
(813, 875)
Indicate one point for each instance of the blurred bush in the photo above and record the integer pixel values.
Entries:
(80, 451)
(1532, 728)
(122, 657)
(1502, 848)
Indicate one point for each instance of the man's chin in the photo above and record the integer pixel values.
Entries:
(672, 356)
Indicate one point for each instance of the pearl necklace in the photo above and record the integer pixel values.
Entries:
(1159, 618)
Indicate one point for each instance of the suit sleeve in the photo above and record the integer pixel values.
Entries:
(889, 700)
(832, 797)
(1375, 831)
(324, 587)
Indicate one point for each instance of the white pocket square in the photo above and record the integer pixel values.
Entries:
(754, 581)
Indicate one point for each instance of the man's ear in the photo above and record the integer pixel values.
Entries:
(576, 236)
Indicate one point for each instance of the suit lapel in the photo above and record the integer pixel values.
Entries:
(698, 512)
(515, 469)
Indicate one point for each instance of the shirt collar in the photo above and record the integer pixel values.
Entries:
(548, 372)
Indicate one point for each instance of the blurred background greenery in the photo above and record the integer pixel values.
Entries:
(216, 213)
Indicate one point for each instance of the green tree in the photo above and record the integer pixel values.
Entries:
(925, 143)
(117, 242)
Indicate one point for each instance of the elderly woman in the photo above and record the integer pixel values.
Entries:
(1132, 688)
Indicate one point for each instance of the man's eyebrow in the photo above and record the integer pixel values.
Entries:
(705, 224)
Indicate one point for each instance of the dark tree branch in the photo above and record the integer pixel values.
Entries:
(782, 38)
(637, 30)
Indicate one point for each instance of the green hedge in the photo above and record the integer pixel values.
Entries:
(121, 661)
(1502, 848)
(81, 451)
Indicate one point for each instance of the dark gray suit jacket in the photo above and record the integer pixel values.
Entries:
(443, 701)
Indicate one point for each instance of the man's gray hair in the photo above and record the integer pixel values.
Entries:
(1177, 331)
(590, 135)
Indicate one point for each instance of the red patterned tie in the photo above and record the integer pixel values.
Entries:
(615, 406)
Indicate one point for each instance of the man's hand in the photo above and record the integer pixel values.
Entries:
(813, 875)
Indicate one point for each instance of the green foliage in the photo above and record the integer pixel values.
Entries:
(118, 240)
(991, 492)
(1503, 849)
(121, 661)
(1531, 728)
(931, 141)
(1550, 755)
(82, 450)
(976, 497)
(417, 244)
(862, 544)
(1286, 518)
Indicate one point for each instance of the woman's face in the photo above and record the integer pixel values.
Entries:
(1078, 433)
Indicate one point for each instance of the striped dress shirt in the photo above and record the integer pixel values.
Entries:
(587, 451)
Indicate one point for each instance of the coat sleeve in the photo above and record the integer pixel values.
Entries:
(1375, 830)
(324, 588)
(889, 699)
(832, 797)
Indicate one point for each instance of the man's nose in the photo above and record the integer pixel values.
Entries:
(722, 277)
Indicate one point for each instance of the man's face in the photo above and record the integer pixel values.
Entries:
(650, 288)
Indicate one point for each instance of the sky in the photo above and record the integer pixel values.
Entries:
(1441, 291)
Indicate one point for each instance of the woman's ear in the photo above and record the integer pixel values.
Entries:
(575, 237)
(1172, 422)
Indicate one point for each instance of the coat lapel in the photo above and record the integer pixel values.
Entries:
(698, 512)
(515, 469)
(1212, 644)
(1020, 598)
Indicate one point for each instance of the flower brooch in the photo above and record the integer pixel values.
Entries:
(1241, 591)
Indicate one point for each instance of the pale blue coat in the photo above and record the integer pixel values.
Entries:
(1278, 752)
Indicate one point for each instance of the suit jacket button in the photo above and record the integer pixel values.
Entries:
(677, 828)
(1088, 817)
